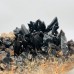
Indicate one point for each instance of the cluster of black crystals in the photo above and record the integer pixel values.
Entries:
(40, 39)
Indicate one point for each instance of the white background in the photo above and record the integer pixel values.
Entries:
(13, 13)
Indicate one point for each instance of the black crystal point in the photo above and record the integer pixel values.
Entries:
(24, 30)
(37, 26)
(63, 42)
(53, 26)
